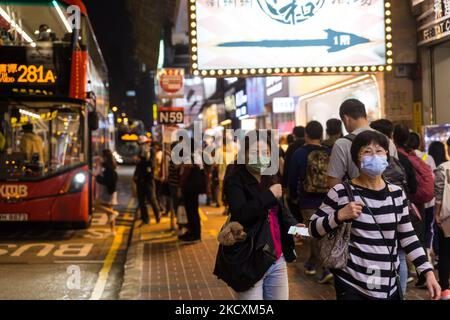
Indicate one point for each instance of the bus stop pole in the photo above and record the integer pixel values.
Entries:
(165, 175)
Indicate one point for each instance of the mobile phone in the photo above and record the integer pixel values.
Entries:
(304, 232)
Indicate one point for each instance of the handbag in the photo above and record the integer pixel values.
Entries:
(243, 264)
(333, 247)
(391, 251)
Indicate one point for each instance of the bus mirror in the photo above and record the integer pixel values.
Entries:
(93, 120)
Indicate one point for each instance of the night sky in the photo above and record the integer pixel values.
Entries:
(114, 33)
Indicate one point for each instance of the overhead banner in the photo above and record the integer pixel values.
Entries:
(170, 83)
(289, 36)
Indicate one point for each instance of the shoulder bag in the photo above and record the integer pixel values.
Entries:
(333, 247)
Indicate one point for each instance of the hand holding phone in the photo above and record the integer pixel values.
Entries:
(302, 231)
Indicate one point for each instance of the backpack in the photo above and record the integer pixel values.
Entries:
(316, 178)
(424, 177)
(395, 173)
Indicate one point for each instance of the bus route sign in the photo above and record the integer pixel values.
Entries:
(170, 115)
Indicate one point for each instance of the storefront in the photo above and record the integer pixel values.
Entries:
(319, 97)
(277, 103)
(434, 46)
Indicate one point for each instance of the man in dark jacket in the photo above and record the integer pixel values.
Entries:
(299, 135)
(144, 179)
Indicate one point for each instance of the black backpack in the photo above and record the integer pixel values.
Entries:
(395, 173)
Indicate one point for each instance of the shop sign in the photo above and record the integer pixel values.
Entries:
(284, 105)
(276, 87)
(170, 83)
(241, 98)
(273, 85)
(436, 24)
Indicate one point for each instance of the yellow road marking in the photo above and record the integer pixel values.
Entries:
(203, 216)
(214, 232)
(102, 280)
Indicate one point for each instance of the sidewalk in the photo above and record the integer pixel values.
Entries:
(159, 267)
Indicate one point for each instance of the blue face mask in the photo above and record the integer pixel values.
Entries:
(374, 165)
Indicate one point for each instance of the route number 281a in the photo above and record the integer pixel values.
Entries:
(33, 74)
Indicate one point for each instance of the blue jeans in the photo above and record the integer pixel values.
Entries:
(273, 286)
(403, 272)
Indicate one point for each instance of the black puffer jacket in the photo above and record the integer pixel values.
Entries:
(249, 205)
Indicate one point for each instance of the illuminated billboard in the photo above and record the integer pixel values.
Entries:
(282, 37)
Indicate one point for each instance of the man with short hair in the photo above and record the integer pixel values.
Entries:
(308, 184)
(334, 132)
(32, 145)
(353, 115)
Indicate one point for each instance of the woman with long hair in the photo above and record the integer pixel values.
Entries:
(437, 151)
(254, 199)
(108, 182)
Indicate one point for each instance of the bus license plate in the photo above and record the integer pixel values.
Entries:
(14, 217)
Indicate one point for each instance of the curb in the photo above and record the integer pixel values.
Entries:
(133, 268)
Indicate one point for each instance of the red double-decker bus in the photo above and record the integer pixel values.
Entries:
(54, 112)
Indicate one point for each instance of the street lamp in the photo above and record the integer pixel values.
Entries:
(115, 109)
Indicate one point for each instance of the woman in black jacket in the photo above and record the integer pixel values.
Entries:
(108, 183)
(254, 201)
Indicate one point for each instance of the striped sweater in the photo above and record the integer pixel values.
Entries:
(368, 268)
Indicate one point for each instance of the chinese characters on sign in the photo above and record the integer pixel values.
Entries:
(12, 73)
(441, 8)
(440, 26)
(23, 79)
(281, 35)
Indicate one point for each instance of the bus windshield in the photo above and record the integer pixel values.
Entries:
(40, 141)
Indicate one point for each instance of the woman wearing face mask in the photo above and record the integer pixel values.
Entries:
(254, 197)
(380, 227)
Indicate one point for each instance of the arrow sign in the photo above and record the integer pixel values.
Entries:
(336, 41)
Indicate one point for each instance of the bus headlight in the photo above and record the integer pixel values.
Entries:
(78, 182)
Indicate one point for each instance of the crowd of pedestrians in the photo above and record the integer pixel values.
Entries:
(376, 206)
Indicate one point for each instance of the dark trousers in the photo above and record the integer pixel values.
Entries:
(444, 260)
(146, 193)
(190, 201)
(344, 292)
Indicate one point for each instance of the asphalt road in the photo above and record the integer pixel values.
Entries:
(49, 262)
